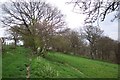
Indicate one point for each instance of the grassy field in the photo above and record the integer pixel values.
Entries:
(13, 62)
(55, 64)
(86, 67)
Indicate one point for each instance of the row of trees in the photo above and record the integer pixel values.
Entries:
(42, 27)
(97, 10)
(90, 43)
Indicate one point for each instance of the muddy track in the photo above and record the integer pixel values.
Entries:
(28, 71)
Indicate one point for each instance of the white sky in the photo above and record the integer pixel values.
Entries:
(75, 20)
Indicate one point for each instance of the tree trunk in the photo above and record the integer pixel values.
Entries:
(15, 42)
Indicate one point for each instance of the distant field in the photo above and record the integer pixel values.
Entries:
(54, 65)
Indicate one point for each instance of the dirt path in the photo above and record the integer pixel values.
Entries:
(28, 71)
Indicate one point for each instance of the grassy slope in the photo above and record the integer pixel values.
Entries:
(58, 65)
(72, 66)
(13, 62)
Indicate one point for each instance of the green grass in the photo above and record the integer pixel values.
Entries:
(89, 68)
(13, 62)
(60, 70)
(55, 65)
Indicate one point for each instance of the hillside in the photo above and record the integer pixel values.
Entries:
(54, 65)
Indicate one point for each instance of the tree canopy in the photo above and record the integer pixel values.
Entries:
(96, 9)
(35, 21)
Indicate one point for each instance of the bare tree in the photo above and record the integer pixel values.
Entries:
(92, 34)
(104, 47)
(75, 42)
(95, 9)
(27, 14)
(14, 35)
(107, 49)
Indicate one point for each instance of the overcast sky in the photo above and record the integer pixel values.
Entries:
(75, 20)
